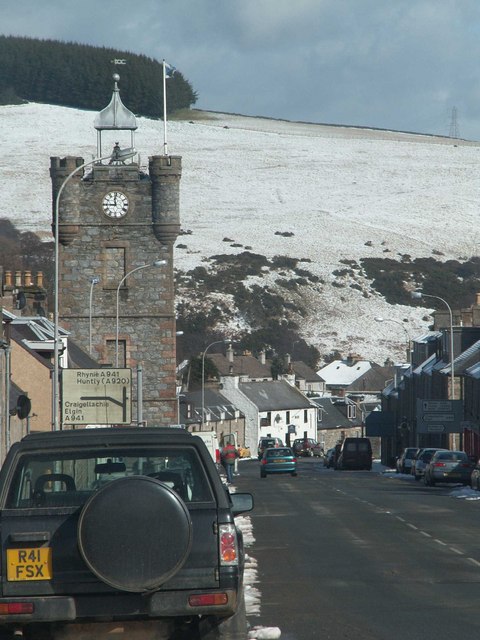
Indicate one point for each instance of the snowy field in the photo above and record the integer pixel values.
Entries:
(334, 188)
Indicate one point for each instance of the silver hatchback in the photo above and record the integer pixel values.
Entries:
(448, 466)
(421, 460)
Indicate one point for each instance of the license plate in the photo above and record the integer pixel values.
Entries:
(280, 460)
(29, 564)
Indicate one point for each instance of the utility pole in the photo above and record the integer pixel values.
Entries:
(454, 124)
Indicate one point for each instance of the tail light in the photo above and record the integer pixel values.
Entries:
(439, 464)
(217, 456)
(228, 545)
(207, 599)
(14, 608)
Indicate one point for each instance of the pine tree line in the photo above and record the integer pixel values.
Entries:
(80, 76)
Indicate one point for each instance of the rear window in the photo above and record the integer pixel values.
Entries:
(452, 456)
(68, 479)
(279, 453)
(267, 443)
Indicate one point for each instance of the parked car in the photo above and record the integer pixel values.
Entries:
(278, 460)
(266, 442)
(404, 462)
(329, 459)
(355, 453)
(113, 526)
(448, 466)
(307, 447)
(421, 460)
(475, 477)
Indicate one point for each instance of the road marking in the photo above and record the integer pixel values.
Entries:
(399, 518)
(444, 544)
(412, 526)
(473, 561)
(424, 533)
(460, 553)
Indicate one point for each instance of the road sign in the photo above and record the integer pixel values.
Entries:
(439, 416)
(96, 396)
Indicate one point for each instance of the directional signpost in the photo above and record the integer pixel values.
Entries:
(96, 396)
(439, 416)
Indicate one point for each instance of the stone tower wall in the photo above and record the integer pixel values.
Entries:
(95, 245)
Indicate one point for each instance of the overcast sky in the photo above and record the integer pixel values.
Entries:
(398, 64)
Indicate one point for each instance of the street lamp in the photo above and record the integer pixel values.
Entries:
(418, 295)
(93, 281)
(407, 335)
(225, 341)
(155, 263)
(55, 388)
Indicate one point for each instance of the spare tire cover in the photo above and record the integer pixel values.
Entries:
(135, 533)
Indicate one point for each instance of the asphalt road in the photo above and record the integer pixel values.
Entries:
(357, 555)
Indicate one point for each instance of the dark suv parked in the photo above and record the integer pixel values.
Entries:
(123, 524)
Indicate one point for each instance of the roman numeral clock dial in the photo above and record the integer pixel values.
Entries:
(115, 204)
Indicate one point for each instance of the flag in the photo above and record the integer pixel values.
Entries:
(168, 70)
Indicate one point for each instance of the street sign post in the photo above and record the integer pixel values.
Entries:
(439, 416)
(96, 396)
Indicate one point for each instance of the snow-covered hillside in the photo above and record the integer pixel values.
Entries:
(343, 193)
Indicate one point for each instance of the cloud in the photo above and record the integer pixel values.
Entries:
(400, 65)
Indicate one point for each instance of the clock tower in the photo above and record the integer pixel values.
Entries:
(117, 223)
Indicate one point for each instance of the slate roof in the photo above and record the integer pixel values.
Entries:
(465, 360)
(333, 414)
(79, 359)
(247, 366)
(304, 372)
(341, 374)
(373, 380)
(274, 395)
(215, 403)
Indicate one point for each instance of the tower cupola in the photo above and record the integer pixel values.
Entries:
(115, 117)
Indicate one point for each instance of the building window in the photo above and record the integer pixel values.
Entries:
(267, 421)
(305, 415)
(115, 265)
(287, 417)
(351, 411)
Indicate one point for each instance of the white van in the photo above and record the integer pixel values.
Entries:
(211, 440)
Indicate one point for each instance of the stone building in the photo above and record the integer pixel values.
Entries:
(115, 220)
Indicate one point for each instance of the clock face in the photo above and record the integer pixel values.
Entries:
(115, 204)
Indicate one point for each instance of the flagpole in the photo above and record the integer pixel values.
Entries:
(165, 147)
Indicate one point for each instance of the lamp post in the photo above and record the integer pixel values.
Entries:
(55, 386)
(225, 341)
(155, 263)
(407, 335)
(93, 281)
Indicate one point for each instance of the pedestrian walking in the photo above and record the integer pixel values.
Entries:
(229, 455)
